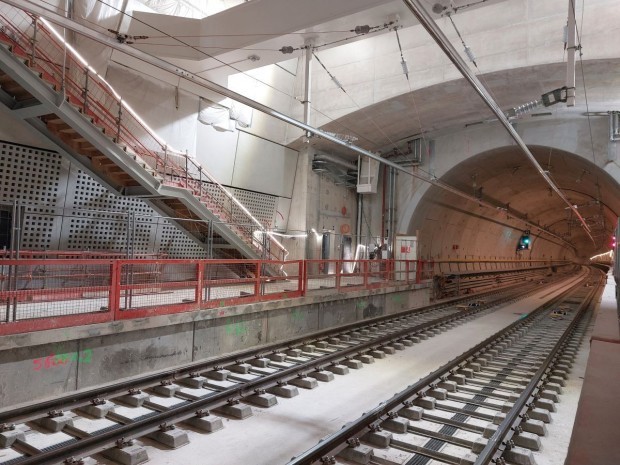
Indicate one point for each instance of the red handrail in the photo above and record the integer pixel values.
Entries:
(63, 69)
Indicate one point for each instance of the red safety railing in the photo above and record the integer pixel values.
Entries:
(75, 254)
(53, 293)
(46, 53)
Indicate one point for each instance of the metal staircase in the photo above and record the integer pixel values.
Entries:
(43, 82)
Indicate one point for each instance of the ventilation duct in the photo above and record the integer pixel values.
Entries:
(411, 156)
(339, 171)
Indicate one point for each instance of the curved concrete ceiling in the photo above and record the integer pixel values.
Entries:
(453, 104)
(505, 177)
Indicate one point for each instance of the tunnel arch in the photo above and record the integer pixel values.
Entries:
(452, 226)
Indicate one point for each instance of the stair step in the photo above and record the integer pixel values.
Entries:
(108, 130)
(5, 78)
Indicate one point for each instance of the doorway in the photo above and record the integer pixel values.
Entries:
(6, 226)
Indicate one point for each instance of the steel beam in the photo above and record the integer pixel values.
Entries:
(30, 111)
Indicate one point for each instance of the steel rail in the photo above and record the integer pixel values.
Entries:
(418, 10)
(33, 8)
(93, 444)
(497, 443)
(76, 400)
(356, 428)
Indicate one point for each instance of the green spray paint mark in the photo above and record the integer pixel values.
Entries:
(361, 304)
(51, 361)
(237, 329)
(398, 298)
(296, 315)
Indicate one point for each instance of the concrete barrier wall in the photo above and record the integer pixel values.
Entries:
(50, 363)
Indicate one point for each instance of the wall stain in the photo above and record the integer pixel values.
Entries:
(371, 311)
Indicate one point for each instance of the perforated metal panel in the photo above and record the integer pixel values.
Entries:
(67, 209)
(175, 243)
(262, 206)
(88, 194)
(40, 232)
(64, 208)
(30, 175)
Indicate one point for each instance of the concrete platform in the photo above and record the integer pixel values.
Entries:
(123, 349)
(596, 436)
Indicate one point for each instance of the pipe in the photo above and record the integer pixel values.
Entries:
(33, 8)
(570, 55)
(384, 186)
(358, 219)
(335, 161)
(418, 10)
(390, 220)
(308, 87)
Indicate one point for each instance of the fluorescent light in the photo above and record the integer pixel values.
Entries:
(280, 234)
(609, 255)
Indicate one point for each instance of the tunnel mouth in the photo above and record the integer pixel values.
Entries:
(450, 225)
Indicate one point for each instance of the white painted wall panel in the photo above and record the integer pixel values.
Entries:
(263, 166)
(215, 150)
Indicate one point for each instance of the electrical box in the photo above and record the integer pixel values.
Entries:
(367, 176)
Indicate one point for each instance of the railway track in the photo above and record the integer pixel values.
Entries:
(489, 405)
(106, 420)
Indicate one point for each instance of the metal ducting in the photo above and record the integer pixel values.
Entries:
(335, 160)
(339, 171)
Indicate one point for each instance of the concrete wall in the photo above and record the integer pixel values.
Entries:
(51, 363)
(453, 150)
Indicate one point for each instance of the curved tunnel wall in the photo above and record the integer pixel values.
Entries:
(451, 226)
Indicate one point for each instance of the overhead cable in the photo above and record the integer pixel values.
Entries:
(418, 10)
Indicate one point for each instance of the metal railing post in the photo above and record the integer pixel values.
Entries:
(259, 286)
(303, 277)
(186, 170)
(33, 49)
(115, 292)
(207, 282)
(210, 240)
(17, 229)
(118, 121)
(64, 64)
(199, 282)
(165, 161)
(85, 91)
(338, 274)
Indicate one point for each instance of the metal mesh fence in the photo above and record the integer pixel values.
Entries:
(42, 289)
(235, 280)
(157, 284)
